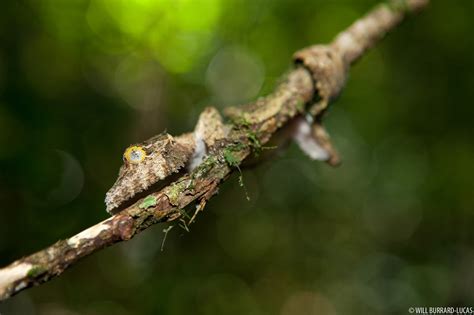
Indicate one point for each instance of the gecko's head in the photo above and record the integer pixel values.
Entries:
(143, 165)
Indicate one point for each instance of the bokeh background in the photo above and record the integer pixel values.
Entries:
(391, 228)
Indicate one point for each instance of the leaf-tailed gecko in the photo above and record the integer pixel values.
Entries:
(153, 161)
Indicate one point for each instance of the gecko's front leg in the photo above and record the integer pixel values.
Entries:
(154, 161)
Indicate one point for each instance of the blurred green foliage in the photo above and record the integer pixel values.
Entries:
(391, 228)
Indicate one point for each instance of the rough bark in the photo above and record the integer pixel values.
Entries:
(319, 75)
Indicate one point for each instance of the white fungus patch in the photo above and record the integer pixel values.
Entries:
(21, 286)
(11, 274)
(199, 151)
(306, 141)
(91, 232)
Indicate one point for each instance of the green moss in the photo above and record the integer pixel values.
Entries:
(148, 202)
(203, 169)
(254, 142)
(233, 161)
(230, 158)
(229, 155)
(177, 189)
(241, 122)
(191, 184)
(36, 271)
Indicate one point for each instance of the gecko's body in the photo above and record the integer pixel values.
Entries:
(154, 160)
(151, 162)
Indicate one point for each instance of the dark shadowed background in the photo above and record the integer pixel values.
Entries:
(391, 228)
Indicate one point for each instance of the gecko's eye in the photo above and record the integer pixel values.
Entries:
(134, 154)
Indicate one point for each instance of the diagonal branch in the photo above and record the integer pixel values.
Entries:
(318, 77)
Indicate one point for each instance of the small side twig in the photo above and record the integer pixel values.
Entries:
(165, 231)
